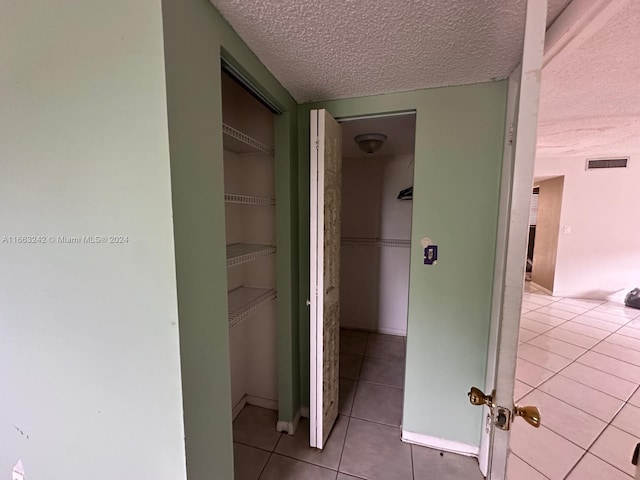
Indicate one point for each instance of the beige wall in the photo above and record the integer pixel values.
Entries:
(547, 230)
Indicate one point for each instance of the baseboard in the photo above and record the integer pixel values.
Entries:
(289, 427)
(262, 402)
(255, 401)
(540, 287)
(304, 412)
(239, 406)
(391, 331)
(441, 444)
(387, 331)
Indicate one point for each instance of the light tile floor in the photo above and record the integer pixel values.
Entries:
(365, 442)
(579, 362)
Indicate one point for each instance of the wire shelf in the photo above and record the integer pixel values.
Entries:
(246, 301)
(239, 253)
(376, 242)
(248, 199)
(239, 142)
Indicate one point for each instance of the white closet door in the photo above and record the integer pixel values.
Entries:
(326, 182)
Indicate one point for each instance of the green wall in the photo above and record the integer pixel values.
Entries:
(89, 340)
(195, 35)
(458, 156)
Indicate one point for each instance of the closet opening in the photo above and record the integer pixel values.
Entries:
(377, 193)
(250, 199)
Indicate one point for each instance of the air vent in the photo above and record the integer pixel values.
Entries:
(595, 163)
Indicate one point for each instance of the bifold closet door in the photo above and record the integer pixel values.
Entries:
(326, 183)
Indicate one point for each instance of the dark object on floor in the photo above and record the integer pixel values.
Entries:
(633, 298)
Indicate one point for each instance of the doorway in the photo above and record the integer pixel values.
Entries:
(544, 229)
(374, 265)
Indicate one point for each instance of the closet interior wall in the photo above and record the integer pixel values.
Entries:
(375, 253)
(250, 233)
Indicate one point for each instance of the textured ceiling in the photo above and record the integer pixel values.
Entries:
(348, 48)
(590, 99)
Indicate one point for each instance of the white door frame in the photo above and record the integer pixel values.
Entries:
(511, 248)
(316, 279)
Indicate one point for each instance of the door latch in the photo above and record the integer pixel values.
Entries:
(502, 417)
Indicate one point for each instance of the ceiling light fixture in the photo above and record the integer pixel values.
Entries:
(370, 142)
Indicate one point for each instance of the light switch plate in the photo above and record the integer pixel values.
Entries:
(431, 255)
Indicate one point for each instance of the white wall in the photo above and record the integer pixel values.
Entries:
(359, 262)
(89, 357)
(375, 278)
(601, 255)
(395, 223)
(252, 343)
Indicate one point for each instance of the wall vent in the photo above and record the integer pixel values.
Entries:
(596, 163)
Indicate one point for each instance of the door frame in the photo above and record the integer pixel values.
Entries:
(316, 239)
(402, 113)
(515, 204)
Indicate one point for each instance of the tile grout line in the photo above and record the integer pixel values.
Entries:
(268, 460)
(527, 463)
(355, 392)
(559, 372)
(607, 425)
(582, 354)
(413, 471)
(346, 432)
(358, 381)
(626, 402)
(588, 450)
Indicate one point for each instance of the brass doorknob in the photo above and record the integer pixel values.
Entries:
(477, 397)
(530, 414)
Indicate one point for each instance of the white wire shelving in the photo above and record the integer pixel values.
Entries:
(239, 142)
(248, 199)
(376, 242)
(246, 301)
(239, 253)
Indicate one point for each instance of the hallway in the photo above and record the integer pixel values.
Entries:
(579, 362)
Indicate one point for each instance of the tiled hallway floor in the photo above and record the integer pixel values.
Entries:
(365, 442)
(579, 362)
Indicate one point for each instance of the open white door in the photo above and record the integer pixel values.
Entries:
(326, 183)
(517, 179)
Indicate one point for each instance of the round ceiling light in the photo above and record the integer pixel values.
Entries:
(370, 142)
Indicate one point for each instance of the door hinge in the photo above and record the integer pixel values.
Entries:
(510, 134)
(317, 143)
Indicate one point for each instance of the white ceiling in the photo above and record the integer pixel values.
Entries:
(399, 129)
(590, 99)
(348, 48)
